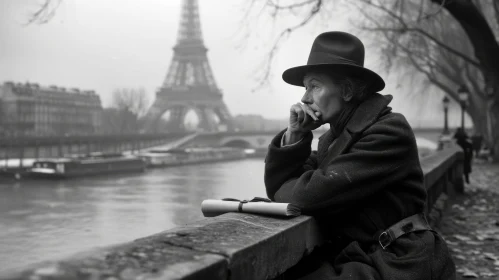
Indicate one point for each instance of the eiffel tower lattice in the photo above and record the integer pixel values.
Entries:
(189, 83)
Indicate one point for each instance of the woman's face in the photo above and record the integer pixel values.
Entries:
(323, 95)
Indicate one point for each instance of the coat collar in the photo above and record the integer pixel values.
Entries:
(368, 112)
(365, 115)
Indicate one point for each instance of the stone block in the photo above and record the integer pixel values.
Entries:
(257, 247)
(137, 260)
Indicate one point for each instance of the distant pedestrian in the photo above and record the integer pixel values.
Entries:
(465, 144)
(364, 184)
(476, 141)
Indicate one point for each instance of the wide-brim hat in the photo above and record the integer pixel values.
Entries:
(336, 53)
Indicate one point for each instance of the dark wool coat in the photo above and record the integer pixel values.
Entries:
(370, 179)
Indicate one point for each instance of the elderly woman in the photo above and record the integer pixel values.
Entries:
(364, 184)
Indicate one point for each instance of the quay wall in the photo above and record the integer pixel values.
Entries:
(230, 246)
(47, 147)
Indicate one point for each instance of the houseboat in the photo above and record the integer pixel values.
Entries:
(173, 157)
(92, 164)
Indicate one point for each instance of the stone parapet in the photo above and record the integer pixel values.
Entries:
(230, 246)
(443, 179)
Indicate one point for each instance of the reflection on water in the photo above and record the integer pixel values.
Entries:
(41, 220)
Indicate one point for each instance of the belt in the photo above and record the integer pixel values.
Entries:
(413, 223)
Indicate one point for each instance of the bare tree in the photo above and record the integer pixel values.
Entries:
(116, 121)
(419, 45)
(440, 43)
(127, 108)
(132, 100)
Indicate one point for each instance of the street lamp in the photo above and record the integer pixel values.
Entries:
(446, 101)
(463, 97)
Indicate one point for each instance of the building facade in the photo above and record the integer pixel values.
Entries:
(32, 110)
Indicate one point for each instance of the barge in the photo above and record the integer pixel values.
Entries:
(175, 157)
(93, 164)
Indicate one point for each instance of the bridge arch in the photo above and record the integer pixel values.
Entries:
(178, 115)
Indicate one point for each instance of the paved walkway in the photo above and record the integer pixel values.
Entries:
(471, 225)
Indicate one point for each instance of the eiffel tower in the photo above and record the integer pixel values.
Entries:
(189, 83)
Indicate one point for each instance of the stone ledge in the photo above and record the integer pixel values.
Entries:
(148, 259)
(435, 166)
(229, 246)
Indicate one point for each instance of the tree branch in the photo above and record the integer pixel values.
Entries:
(282, 35)
(45, 12)
(434, 81)
(406, 28)
(472, 78)
(410, 56)
(292, 6)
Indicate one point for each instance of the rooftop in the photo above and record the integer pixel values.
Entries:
(50, 88)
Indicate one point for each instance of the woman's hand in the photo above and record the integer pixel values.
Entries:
(302, 119)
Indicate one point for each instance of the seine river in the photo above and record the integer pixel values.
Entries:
(44, 220)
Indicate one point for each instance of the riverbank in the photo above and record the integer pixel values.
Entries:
(471, 225)
(10, 170)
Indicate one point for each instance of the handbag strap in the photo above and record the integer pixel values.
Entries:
(412, 223)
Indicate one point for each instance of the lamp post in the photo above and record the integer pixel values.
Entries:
(463, 97)
(446, 101)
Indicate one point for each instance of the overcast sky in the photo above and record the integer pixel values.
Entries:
(102, 45)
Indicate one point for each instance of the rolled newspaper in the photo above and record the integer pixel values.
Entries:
(213, 207)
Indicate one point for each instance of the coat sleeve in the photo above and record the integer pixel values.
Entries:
(385, 153)
(292, 161)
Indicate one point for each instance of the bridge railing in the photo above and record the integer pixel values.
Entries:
(230, 246)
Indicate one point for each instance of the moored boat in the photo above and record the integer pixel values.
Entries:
(173, 157)
(93, 164)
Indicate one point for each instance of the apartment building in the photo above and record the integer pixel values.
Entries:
(28, 109)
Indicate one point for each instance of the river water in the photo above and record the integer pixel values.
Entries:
(46, 220)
